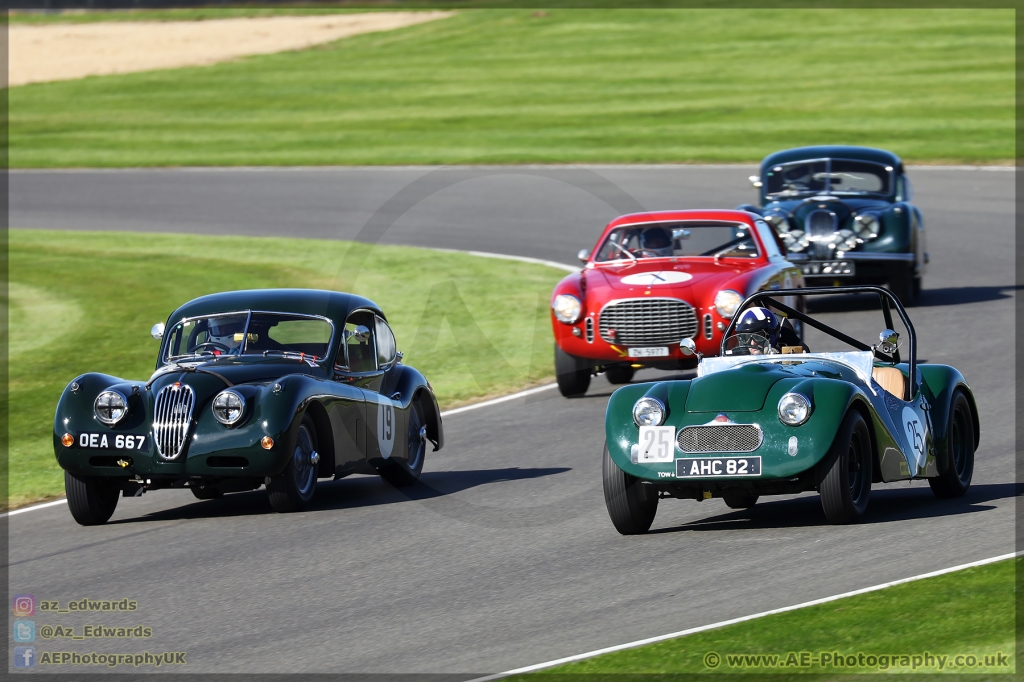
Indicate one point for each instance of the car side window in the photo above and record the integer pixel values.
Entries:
(358, 345)
(386, 349)
(771, 240)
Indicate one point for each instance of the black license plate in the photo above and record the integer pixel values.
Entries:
(717, 467)
(829, 268)
(108, 441)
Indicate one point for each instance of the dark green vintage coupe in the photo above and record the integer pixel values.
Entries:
(767, 421)
(277, 387)
(845, 216)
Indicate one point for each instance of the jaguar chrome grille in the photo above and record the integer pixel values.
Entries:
(821, 225)
(172, 415)
(720, 438)
(647, 321)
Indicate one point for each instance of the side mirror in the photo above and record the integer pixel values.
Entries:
(755, 181)
(361, 334)
(583, 255)
(157, 332)
(889, 341)
(688, 348)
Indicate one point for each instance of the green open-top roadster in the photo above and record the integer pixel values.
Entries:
(766, 418)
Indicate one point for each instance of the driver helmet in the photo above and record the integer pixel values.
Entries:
(657, 240)
(758, 328)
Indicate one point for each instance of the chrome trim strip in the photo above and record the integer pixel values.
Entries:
(728, 425)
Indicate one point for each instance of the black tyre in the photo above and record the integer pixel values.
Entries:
(740, 501)
(956, 479)
(91, 500)
(846, 487)
(206, 492)
(901, 283)
(631, 503)
(405, 474)
(293, 488)
(619, 374)
(572, 373)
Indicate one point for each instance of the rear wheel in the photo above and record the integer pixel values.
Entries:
(91, 500)
(619, 374)
(740, 501)
(404, 474)
(956, 479)
(293, 488)
(847, 485)
(631, 503)
(572, 373)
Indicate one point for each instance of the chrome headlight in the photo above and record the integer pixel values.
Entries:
(866, 227)
(726, 302)
(794, 409)
(228, 407)
(567, 308)
(648, 411)
(110, 407)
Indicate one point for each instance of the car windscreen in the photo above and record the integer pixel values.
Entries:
(676, 239)
(827, 176)
(245, 333)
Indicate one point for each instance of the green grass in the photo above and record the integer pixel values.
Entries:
(968, 612)
(564, 85)
(84, 302)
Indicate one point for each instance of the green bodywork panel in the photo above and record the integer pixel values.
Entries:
(904, 433)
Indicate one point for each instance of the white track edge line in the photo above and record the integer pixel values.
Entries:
(44, 505)
(486, 403)
(533, 166)
(495, 401)
(713, 626)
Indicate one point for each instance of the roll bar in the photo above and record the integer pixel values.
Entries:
(885, 298)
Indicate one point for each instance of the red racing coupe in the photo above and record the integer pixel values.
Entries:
(658, 278)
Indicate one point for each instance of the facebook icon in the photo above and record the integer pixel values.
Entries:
(24, 656)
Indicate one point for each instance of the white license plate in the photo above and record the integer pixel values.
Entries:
(107, 441)
(657, 444)
(649, 352)
(714, 467)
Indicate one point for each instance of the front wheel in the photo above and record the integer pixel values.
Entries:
(91, 500)
(847, 485)
(956, 479)
(904, 285)
(572, 373)
(292, 489)
(405, 474)
(740, 501)
(631, 503)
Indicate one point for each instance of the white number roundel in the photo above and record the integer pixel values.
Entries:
(913, 431)
(385, 428)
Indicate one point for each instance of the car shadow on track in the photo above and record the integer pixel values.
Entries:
(929, 298)
(886, 506)
(357, 491)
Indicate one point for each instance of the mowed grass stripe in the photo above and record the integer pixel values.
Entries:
(964, 613)
(476, 327)
(564, 85)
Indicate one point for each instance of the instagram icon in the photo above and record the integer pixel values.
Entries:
(24, 605)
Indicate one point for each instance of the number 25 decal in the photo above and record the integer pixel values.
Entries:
(915, 435)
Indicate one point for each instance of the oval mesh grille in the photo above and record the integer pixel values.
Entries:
(647, 321)
(172, 414)
(720, 438)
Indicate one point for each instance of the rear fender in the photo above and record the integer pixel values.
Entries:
(413, 386)
(939, 383)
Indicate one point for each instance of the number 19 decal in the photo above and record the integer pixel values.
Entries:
(385, 428)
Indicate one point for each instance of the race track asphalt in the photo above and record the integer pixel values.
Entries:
(505, 556)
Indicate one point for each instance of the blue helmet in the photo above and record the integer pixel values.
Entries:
(757, 331)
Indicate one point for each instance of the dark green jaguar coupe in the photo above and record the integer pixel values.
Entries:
(274, 387)
(845, 217)
(767, 417)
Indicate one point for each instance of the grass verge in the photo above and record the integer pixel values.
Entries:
(561, 85)
(84, 302)
(968, 613)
